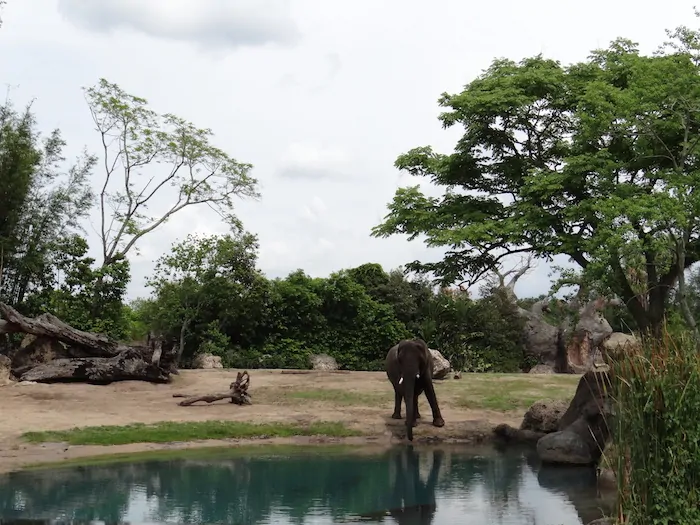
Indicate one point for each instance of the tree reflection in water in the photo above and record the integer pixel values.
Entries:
(402, 485)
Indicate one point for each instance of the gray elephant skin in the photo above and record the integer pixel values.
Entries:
(409, 367)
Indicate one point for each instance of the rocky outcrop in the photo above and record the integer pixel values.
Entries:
(618, 344)
(5, 365)
(540, 419)
(583, 430)
(543, 416)
(441, 366)
(207, 362)
(323, 362)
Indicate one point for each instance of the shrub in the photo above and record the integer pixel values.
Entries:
(656, 432)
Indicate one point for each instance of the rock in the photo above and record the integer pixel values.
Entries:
(583, 430)
(458, 375)
(323, 362)
(207, 361)
(607, 479)
(565, 447)
(619, 343)
(5, 365)
(516, 435)
(544, 415)
(541, 369)
(441, 366)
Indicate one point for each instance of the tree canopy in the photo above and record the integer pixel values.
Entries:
(597, 161)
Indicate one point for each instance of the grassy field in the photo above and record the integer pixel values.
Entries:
(284, 406)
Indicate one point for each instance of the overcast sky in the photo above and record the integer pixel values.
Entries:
(320, 96)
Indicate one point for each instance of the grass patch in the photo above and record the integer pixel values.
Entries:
(166, 432)
(507, 392)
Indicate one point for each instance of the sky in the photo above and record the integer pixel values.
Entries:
(319, 96)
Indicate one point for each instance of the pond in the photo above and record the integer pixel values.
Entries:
(307, 485)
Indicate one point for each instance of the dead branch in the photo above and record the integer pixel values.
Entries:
(238, 393)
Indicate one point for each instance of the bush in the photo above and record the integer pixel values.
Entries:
(657, 432)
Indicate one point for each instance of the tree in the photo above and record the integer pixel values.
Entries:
(408, 298)
(201, 280)
(41, 203)
(587, 161)
(138, 144)
(85, 296)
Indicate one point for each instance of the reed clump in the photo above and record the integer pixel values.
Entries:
(656, 431)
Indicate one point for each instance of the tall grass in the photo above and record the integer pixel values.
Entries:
(657, 431)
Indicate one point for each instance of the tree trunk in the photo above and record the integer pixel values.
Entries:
(53, 351)
(127, 365)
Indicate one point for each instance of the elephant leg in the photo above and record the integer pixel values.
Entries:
(398, 398)
(432, 399)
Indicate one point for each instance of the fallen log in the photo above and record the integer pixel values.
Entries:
(129, 365)
(238, 393)
(53, 351)
(51, 326)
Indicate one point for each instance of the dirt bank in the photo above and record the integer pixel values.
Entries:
(471, 407)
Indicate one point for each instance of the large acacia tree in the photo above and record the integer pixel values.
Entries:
(597, 160)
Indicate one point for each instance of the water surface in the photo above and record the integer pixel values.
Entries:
(311, 485)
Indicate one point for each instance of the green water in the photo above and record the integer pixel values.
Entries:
(308, 486)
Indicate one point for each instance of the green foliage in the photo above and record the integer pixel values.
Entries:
(209, 295)
(40, 204)
(205, 284)
(657, 432)
(597, 160)
(215, 343)
(83, 295)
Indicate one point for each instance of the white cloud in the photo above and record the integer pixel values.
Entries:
(310, 161)
(215, 23)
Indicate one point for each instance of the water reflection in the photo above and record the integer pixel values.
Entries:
(316, 486)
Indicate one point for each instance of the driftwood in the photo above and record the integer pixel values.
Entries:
(53, 351)
(561, 348)
(238, 393)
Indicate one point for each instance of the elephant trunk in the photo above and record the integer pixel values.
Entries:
(409, 385)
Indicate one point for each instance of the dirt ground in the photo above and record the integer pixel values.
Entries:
(363, 400)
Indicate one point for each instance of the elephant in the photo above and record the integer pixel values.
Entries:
(409, 367)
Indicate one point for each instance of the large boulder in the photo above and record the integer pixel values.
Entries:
(583, 430)
(541, 418)
(618, 344)
(323, 362)
(544, 415)
(207, 361)
(441, 366)
(5, 365)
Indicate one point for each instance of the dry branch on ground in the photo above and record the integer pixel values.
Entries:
(238, 393)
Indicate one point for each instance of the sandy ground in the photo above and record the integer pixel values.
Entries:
(33, 407)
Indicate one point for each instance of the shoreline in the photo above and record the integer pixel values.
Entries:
(18, 457)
